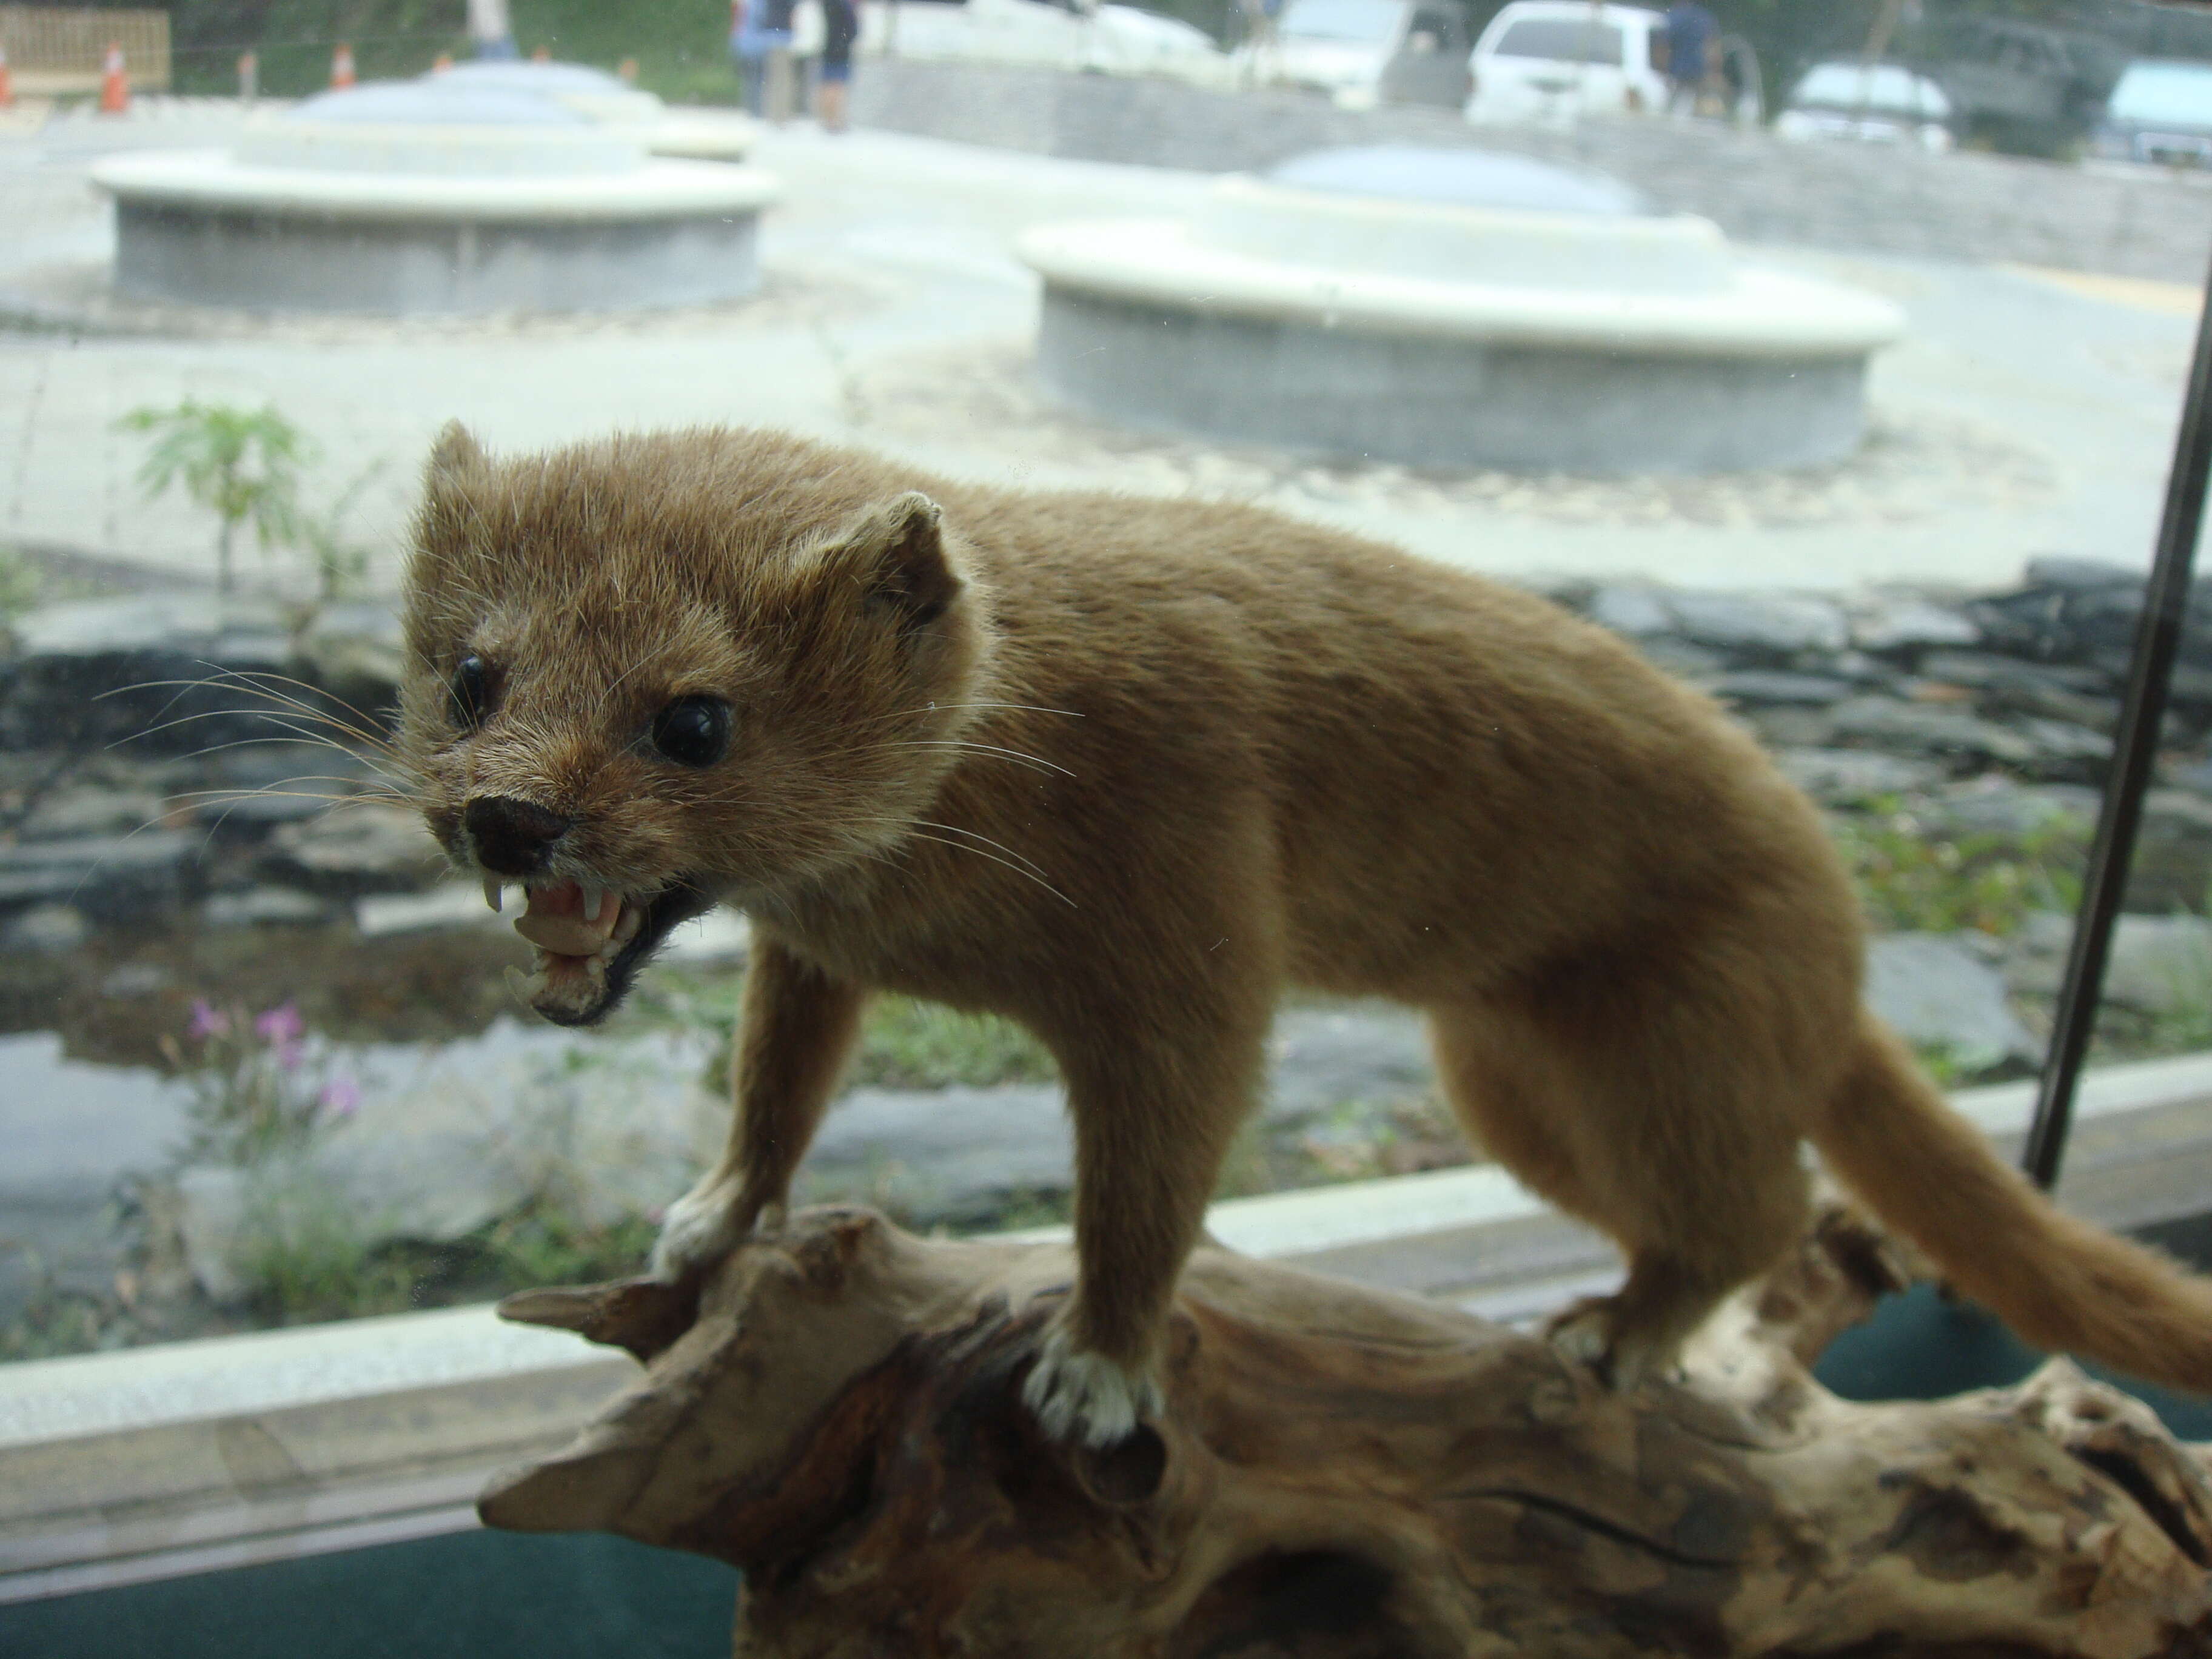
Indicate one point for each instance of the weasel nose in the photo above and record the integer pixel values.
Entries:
(512, 837)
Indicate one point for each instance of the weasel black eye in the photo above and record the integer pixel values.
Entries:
(472, 691)
(693, 731)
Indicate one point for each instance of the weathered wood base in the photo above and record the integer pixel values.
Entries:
(1344, 1472)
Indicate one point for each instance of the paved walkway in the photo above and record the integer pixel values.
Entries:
(2026, 414)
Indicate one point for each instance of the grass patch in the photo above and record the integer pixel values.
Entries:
(313, 1264)
(909, 1044)
(1913, 877)
(905, 1043)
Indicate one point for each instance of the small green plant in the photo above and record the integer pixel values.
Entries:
(906, 1044)
(1915, 878)
(255, 1097)
(340, 564)
(18, 583)
(241, 465)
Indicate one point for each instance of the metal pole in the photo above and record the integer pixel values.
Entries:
(2158, 637)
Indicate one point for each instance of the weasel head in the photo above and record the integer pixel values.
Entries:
(648, 675)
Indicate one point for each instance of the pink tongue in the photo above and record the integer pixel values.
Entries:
(565, 900)
(554, 920)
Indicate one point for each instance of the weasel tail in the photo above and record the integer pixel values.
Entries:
(2059, 1283)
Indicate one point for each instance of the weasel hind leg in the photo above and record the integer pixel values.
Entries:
(1670, 1121)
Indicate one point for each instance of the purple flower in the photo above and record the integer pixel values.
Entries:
(340, 1097)
(281, 1026)
(208, 1021)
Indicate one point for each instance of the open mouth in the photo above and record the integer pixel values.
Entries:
(591, 941)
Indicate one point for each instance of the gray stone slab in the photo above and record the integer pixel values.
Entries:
(1432, 402)
(114, 878)
(287, 262)
(1932, 989)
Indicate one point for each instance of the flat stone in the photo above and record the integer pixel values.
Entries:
(1787, 726)
(1934, 991)
(2064, 750)
(44, 930)
(451, 904)
(1987, 670)
(1999, 807)
(1320, 1059)
(2035, 961)
(111, 878)
(214, 1203)
(91, 810)
(2008, 685)
(1921, 729)
(1754, 685)
(1776, 624)
(134, 980)
(445, 1140)
(2080, 575)
(1635, 611)
(146, 671)
(264, 906)
(2172, 869)
(2160, 964)
(1696, 662)
(1897, 625)
(1847, 777)
(942, 1155)
(366, 847)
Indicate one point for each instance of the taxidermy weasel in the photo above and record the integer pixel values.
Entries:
(1123, 770)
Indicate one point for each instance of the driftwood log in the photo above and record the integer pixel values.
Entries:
(1342, 1472)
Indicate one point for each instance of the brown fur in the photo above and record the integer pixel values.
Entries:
(1151, 763)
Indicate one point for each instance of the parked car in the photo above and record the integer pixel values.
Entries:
(1871, 103)
(2159, 111)
(1364, 52)
(1108, 39)
(2021, 87)
(1554, 60)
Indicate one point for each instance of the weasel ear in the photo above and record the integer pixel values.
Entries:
(453, 457)
(900, 548)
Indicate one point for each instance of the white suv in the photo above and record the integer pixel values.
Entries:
(1555, 60)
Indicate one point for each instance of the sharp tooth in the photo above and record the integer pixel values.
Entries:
(491, 893)
(594, 899)
(627, 924)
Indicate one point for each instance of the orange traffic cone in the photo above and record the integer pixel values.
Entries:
(442, 63)
(6, 81)
(342, 66)
(114, 85)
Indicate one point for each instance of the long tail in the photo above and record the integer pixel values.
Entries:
(2059, 1283)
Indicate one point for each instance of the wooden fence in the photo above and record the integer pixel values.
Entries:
(56, 50)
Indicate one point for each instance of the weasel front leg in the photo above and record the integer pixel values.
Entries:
(798, 1027)
(1153, 1119)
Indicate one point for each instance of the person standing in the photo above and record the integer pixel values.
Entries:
(1689, 33)
(841, 28)
(760, 40)
(489, 29)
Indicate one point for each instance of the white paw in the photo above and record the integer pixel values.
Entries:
(1086, 1397)
(702, 1227)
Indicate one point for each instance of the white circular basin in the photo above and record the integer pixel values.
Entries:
(1436, 316)
(425, 197)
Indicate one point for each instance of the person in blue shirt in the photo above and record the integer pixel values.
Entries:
(759, 28)
(1689, 36)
